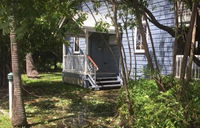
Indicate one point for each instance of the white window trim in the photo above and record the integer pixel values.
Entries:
(76, 52)
(135, 39)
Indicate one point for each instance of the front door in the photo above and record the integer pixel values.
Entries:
(100, 51)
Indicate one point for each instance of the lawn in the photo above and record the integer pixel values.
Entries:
(50, 103)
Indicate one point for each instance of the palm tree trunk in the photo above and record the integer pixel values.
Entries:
(19, 116)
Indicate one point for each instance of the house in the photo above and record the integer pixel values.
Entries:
(92, 58)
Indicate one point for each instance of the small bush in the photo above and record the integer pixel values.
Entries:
(152, 108)
(193, 104)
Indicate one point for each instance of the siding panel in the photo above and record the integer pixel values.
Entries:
(162, 10)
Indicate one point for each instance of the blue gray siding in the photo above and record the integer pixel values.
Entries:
(162, 10)
(82, 45)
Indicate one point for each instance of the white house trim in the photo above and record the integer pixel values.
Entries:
(136, 36)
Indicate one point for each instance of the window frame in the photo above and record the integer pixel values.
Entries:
(76, 45)
(135, 37)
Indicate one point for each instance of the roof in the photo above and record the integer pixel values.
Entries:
(91, 20)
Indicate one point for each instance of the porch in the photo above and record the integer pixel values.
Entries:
(82, 70)
(96, 67)
(195, 68)
(93, 61)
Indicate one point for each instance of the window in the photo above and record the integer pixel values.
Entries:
(76, 45)
(138, 38)
(184, 14)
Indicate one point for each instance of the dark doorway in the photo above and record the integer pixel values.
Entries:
(104, 53)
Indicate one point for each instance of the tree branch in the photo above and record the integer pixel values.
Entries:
(153, 20)
(196, 60)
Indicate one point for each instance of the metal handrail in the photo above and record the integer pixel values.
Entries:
(92, 66)
(92, 61)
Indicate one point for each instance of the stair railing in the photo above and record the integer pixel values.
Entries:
(81, 64)
(92, 67)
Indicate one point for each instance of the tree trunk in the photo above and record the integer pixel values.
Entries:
(30, 67)
(144, 43)
(138, 15)
(153, 47)
(18, 114)
(189, 67)
(176, 40)
(129, 45)
(123, 65)
(188, 48)
(142, 32)
(188, 42)
(135, 58)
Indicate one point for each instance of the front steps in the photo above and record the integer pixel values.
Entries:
(108, 81)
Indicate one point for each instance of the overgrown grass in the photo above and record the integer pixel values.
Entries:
(4, 121)
(50, 103)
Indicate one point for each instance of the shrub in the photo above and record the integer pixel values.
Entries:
(193, 105)
(152, 108)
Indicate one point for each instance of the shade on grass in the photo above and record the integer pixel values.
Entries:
(51, 103)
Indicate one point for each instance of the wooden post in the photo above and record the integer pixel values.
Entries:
(64, 53)
(10, 83)
(86, 50)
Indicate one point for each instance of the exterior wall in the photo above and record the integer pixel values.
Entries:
(162, 10)
(70, 47)
(72, 78)
(82, 44)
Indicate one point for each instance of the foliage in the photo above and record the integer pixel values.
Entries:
(102, 26)
(5, 121)
(169, 81)
(153, 108)
(193, 105)
(38, 27)
(4, 59)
